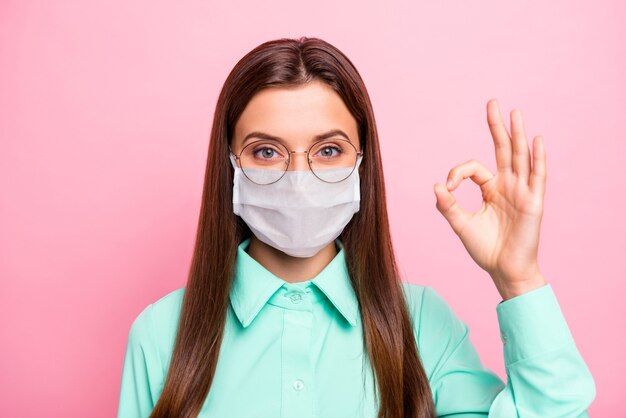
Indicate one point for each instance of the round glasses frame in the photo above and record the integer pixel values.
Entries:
(359, 154)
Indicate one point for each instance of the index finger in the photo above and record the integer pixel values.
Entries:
(501, 137)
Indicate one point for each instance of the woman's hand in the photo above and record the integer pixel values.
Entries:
(503, 236)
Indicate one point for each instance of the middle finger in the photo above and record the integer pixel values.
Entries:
(521, 153)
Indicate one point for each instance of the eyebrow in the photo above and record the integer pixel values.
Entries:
(325, 135)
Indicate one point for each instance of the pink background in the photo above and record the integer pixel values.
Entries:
(105, 115)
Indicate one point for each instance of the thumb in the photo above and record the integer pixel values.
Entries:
(449, 207)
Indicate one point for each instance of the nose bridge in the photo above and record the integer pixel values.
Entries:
(299, 161)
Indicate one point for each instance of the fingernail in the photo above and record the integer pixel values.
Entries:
(449, 183)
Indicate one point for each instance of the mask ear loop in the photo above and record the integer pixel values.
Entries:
(357, 183)
(233, 160)
(358, 161)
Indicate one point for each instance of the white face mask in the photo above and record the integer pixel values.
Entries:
(299, 214)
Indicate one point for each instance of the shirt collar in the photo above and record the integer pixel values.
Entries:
(253, 285)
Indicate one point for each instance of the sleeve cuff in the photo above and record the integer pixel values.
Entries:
(531, 324)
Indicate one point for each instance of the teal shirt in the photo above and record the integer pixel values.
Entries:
(295, 350)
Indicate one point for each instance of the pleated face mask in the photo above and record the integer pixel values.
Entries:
(298, 214)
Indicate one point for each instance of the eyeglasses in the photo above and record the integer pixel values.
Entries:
(266, 161)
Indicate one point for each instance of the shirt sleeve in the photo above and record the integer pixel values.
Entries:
(546, 375)
(140, 370)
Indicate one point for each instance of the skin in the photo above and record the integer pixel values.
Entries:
(296, 115)
(502, 237)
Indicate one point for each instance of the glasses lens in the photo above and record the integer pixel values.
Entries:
(333, 160)
(264, 161)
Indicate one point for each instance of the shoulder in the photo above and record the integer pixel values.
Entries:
(426, 301)
(166, 310)
(435, 322)
(157, 322)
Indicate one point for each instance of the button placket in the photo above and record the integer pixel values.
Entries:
(297, 399)
(298, 384)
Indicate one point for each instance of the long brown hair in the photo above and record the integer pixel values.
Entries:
(388, 338)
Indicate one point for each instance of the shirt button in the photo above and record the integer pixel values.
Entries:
(296, 297)
(503, 337)
(298, 384)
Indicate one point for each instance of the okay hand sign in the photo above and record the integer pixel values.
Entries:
(503, 236)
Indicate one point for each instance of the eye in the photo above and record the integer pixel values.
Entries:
(265, 153)
(329, 151)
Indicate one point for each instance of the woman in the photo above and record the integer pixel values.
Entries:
(294, 306)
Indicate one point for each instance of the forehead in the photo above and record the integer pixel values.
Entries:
(296, 113)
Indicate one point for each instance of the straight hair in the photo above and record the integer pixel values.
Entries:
(401, 385)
